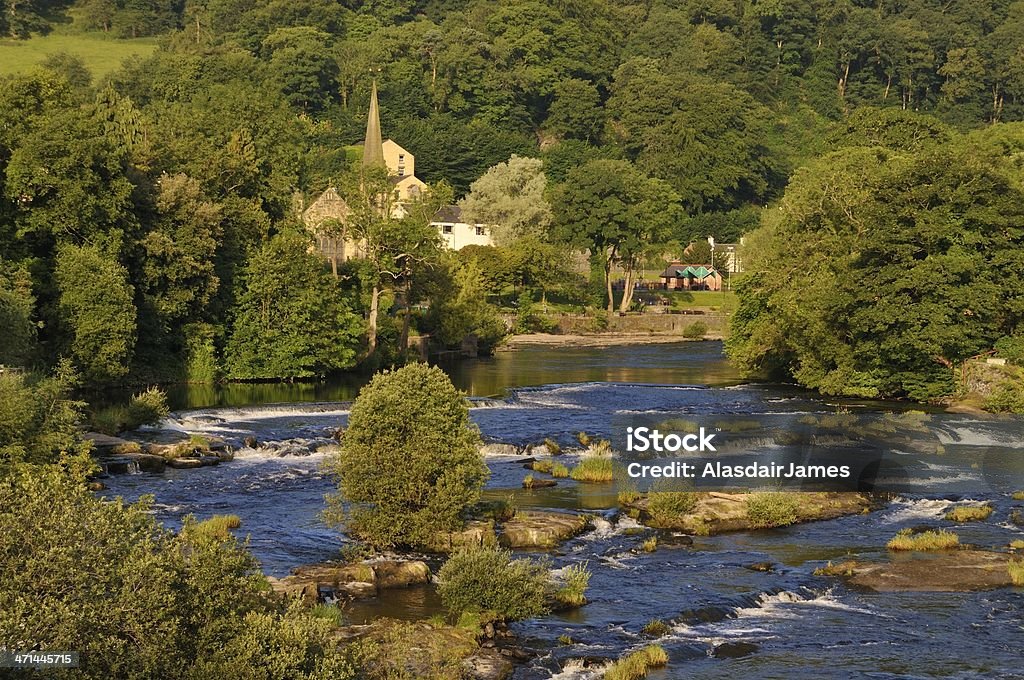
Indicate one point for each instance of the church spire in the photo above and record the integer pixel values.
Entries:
(373, 147)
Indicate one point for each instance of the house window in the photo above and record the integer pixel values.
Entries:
(446, 229)
(401, 165)
(480, 231)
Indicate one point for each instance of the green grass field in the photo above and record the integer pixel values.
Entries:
(100, 54)
(724, 301)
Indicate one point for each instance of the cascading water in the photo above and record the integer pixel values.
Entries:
(726, 619)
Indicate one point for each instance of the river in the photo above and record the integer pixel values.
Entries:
(726, 619)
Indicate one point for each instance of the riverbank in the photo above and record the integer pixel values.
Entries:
(596, 340)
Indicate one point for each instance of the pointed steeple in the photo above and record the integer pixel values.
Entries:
(373, 147)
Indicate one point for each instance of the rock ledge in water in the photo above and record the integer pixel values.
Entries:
(944, 571)
(364, 579)
(535, 529)
(717, 513)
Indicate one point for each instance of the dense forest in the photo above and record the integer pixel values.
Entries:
(149, 218)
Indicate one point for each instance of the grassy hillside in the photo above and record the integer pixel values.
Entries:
(100, 54)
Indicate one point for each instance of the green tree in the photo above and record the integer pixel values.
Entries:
(38, 418)
(881, 272)
(138, 601)
(409, 464)
(292, 320)
(576, 111)
(97, 309)
(510, 198)
(180, 251)
(302, 66)
(615, 212)
(398, 242)
(17, 305)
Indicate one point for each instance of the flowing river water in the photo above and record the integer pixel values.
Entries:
(726, 619)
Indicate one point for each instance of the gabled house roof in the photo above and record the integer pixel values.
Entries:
(449, 213)
(678, 270)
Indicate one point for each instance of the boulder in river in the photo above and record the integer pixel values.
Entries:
(498, 449)
(536, 529)
(487, 664)
(476, 533)
(364, 579)
(734, 650)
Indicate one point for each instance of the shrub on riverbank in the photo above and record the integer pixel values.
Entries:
(218, 527)
(488, 581)
(145, 408)
(137, 601)
(576, 578)
(772, 508)
(409, 463)
(636, 665)
(559, 471)
(905, 539)
(695, 331)
(969, 513)
(595, 469)
(667, 506)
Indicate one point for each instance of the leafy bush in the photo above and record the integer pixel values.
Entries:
(1008, 397)
(773, 508)
(635, 666)
(136, 600)
(559, 471)
(905, 539)
(408, 463)
(541, 466)
(488, 581)
(410, 650)
(1011, 348)
(147, 408)
(969, 513)
(38, 419)
(696, 330)
(576, 578)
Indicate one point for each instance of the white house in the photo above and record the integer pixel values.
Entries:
(458, 234)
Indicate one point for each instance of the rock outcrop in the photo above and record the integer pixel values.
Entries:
(315, 582)
(536, 529)
(942, 571)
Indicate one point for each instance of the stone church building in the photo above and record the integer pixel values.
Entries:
(327, 216)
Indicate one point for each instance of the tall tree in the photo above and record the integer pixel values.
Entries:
(292, 320)
(510, 198)
(609, 208)
(97, 309)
